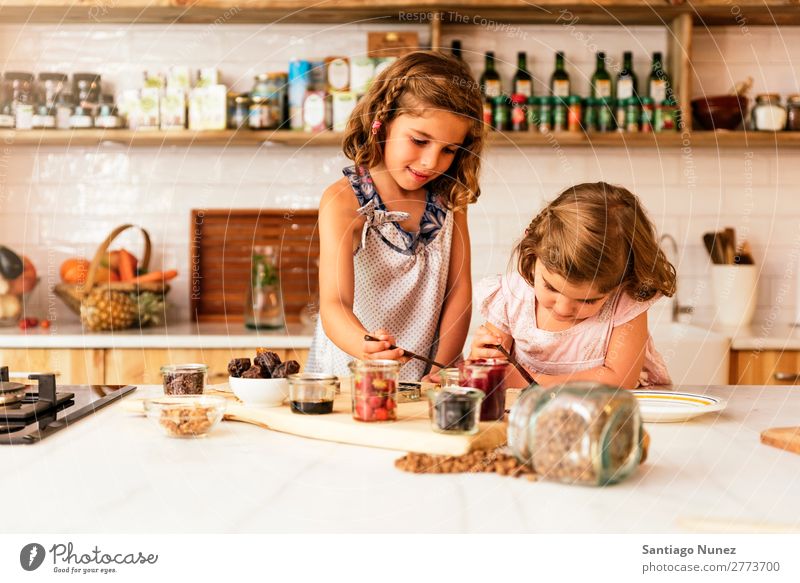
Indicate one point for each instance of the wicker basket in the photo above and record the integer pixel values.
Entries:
(73, 294)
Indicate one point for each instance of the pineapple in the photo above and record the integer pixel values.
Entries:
(150, 308)
(105, 309)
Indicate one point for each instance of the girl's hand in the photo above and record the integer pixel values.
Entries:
(380, 350)
(483, 344)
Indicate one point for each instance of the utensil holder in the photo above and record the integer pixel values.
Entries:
(735, 289)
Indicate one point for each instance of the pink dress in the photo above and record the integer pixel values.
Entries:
(509, 303)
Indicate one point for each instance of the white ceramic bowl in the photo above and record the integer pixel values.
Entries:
(260, 392)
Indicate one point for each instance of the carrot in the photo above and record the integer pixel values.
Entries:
(156, 276)
(127, 265)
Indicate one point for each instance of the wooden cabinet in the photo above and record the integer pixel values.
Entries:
(127, 365)
(765, 367)
(143, 366)
(71, 365)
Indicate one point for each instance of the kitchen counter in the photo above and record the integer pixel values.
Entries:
(179, 335)
(115, 472)
(764, 336)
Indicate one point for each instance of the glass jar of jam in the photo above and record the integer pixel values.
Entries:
(375, 390)
(578, 433)
(768, 114)
(454, 409)
(489, 376)
(793, 113)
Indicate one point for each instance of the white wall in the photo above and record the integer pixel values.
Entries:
(57, 201)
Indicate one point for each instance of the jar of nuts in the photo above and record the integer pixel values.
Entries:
(184, 379)
(578, 433)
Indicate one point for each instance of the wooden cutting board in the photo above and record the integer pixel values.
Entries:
(787, 438)
(411, 432)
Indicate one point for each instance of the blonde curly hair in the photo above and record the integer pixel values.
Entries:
(422, 79)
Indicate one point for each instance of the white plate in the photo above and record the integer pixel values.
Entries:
(668, 406)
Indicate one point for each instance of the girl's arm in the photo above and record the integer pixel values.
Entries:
(457, 310)
(338, 224)
(624, 360)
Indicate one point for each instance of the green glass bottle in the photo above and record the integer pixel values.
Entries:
(601, 80)
(559, 82)
(659, 86)
(523, 80)
(490, 80)
(627, 84)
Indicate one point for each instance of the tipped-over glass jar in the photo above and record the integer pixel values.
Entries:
(375, 389)
(579, 433)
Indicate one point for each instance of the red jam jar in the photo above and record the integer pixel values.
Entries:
(375, 390)
(489, 376)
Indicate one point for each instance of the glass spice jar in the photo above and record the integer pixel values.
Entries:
(374, 390)
(632, 115)
(519, 113)
(545, 115)
(793, 113)
(559, 114)
(578, 433)
(575, 113)
(264, 305)
(64, 111)
(768, 114)
(648, 114)
(500, 114)
(489, 376)
(238, 110)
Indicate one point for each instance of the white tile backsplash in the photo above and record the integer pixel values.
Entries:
(57, 202)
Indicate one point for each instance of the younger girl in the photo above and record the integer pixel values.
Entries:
(587, 270)
(394, 246)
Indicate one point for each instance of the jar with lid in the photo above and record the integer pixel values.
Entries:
(312, 393)
(768, 114)
(264, 305)
(454, 409)
(793, 113)
(238, 110)
(107, 116)
(50, 87)
(268, 101)
(81, 118)
(575, 113)
(578, 433)
(64, 111)
(44, 118)
(375, 390)
(86, 90)
(184, 379)
(489, 376)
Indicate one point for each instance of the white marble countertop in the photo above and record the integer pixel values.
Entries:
(764, 336)
(114, 472)
(178, 335)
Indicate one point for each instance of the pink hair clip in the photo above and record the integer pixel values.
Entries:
(376, 126)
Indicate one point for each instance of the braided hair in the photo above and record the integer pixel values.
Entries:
(416, 81)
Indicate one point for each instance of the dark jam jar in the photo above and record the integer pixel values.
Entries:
(793, 113)
(375, 390)
(489, 376)
(311, 393)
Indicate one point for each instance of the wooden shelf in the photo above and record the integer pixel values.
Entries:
(230, 138)
(711, 12)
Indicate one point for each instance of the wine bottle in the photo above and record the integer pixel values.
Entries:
(601, 80)
(627, 84)
(659, 86)
(559, 82)
(490, 80)
(523, 80)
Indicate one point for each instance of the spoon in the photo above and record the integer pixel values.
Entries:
(406, 352)
(521, 369)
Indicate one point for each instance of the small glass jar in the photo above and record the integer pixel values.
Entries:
(454, 409)
(238, 110)
(489, 376)
(86, 89)
(81, 118)
(560, 114)
(311, 393)
(64, 111)
(44, 119)
(578, 433)
(184, 379)
(264, 305)
(375, 390)
(793, 113)
(768, 114)
(605, 115)
(107, 116)
(500, 114)
(19, 88)
(268, 101)
(633, 114)
(7, 120)
(51, 86)
(648, 115)
(545, 115)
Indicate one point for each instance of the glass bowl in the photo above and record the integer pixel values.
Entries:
(186, 415)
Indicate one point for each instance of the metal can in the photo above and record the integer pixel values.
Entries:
(268, 101)
(575, 113)
(545, 115)
(648, 110)
(559, 115)
(605, 115)
(632, 115)
(500, 111)
(519, 113)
